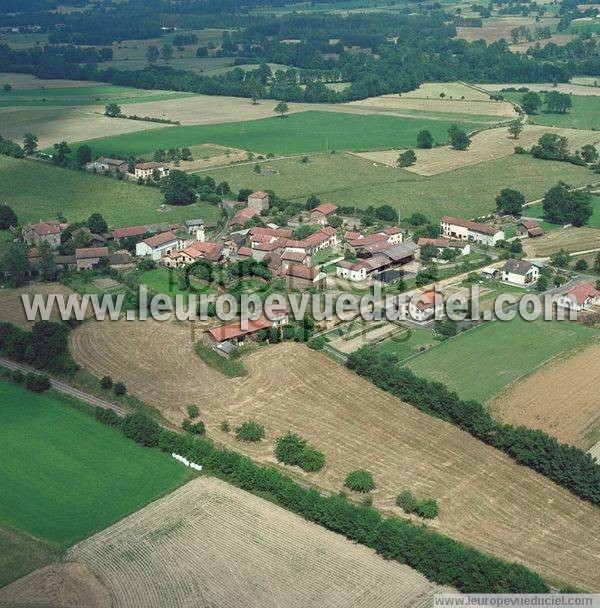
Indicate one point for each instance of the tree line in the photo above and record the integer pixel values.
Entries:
(566, 465)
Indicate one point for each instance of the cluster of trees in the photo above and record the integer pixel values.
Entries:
(44, 347)
(250, 431)
(294, 450)
(463, 568)
(427, 508)
(566, 465)
(38, 383)
(555, 102)
(562, 205)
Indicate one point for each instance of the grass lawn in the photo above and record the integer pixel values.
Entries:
(585, 113)
(479, 363)
(348, 180)
(95, 94)
(301, 133)
(37, 190)
(66, 476)
(538, 211)
(165, 281)
(408, 343)
(232, 368)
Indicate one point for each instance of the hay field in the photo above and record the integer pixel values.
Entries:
(58, 585)
(485, 498)
(11, 305)
(561, 399)
(570, 239)
(54, 124)
(499, 27)
(491, 144)
(29, 81)
(212, 544)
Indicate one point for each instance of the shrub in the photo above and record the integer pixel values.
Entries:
(409, 504)
(293, 450)
(406, 501)
(106, 383)
(141, 429)
(37, 383)
(194, 428)
(427, 508)
(119, 389)
(193, 411)
(106, 416)
(360, 481)
(250, 431)
(581, 265)
(311, 459)
(17, 376)
(317, 343)
(225, 426)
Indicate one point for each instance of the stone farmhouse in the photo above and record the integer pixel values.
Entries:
(529, 228)
(322, 213)
(259, 201)
(145, 170)
(43, 232)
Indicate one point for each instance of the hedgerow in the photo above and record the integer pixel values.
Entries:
(566, 465)
(440, 559)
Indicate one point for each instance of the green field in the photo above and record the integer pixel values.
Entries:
(95, 94)
(301, 133)
(479, 363)
(65, 476)
(585, 113)
(348, 180)
(408, 343)
(38, 190)
(538, 212)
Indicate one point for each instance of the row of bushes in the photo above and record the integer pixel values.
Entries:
(427, 508)
(439, 558)
(38, 383)
(566, 465)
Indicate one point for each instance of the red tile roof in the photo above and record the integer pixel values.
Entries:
(234, 329)
(259, 232)
(130, 231)
(259, 194)
(582, 292)
(161, 239)
(91, 252)
(45, 228)
(474, 226)
(326, 208)
(293, 256)
(242, 216)
(302, 272)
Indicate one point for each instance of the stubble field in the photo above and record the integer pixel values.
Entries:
(485, 498)
(211, 544)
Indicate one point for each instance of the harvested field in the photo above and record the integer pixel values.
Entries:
(491, 144)
(212, 544)
(60, 123)
(485, 498)
(561, 399)
(11, 305)
(500, 27)
(67, 585)
(29, 81)
(558, 39)
(571, 239)
(207, 156)
(455, 90)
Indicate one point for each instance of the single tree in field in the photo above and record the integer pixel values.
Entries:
(515, 128)
(152, 54)
(510, 201)
(531, 102)
(589, 153)
(15, 264)
(424, 139)
(7, 88)
(166, 52)
(30, 144)
(113, 110)
(84, 155)
(282, 108)
(459, 140)
(8, 217)
(62, 149)
(406, 159)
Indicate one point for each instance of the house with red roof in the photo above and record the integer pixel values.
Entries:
(322, 213)
(198, 250)
(580, 297)
(43, 232)
(258, 200)
(422, 307)
(529, 228)
(243, 216)
(159, 245)
(466, 230)
(301, 278)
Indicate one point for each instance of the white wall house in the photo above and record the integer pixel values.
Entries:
(520, 272)
(422, 307)
(351, 271)
(159, 245)
(456, 228)
(580, 297)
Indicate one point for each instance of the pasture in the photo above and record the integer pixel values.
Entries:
(189, 544)
(357, 426)
(491, 144)
(301, 133)
(349, 180)
(66, 476)
(38, 190)
(585, 113)
(500, 352)
(538, 401)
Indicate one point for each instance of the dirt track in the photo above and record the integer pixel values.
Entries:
(561, 399)
(211, 544)
(485, 498)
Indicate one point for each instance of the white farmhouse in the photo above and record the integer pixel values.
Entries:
(520, 272)
(159, 245)
(465, 230)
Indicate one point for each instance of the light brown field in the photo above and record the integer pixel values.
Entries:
(29, 81)
(570, 239)
(11, 305)
(432, 90)
(59, 586)
(436, 104)
(559, 39)
(211, 544)
(54, 124)
(575, 89)
(490, 144)
(485, 498)
(207, 156)
(561, 399)
(500, 27)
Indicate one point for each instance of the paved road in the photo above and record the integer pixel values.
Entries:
(63, 387)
